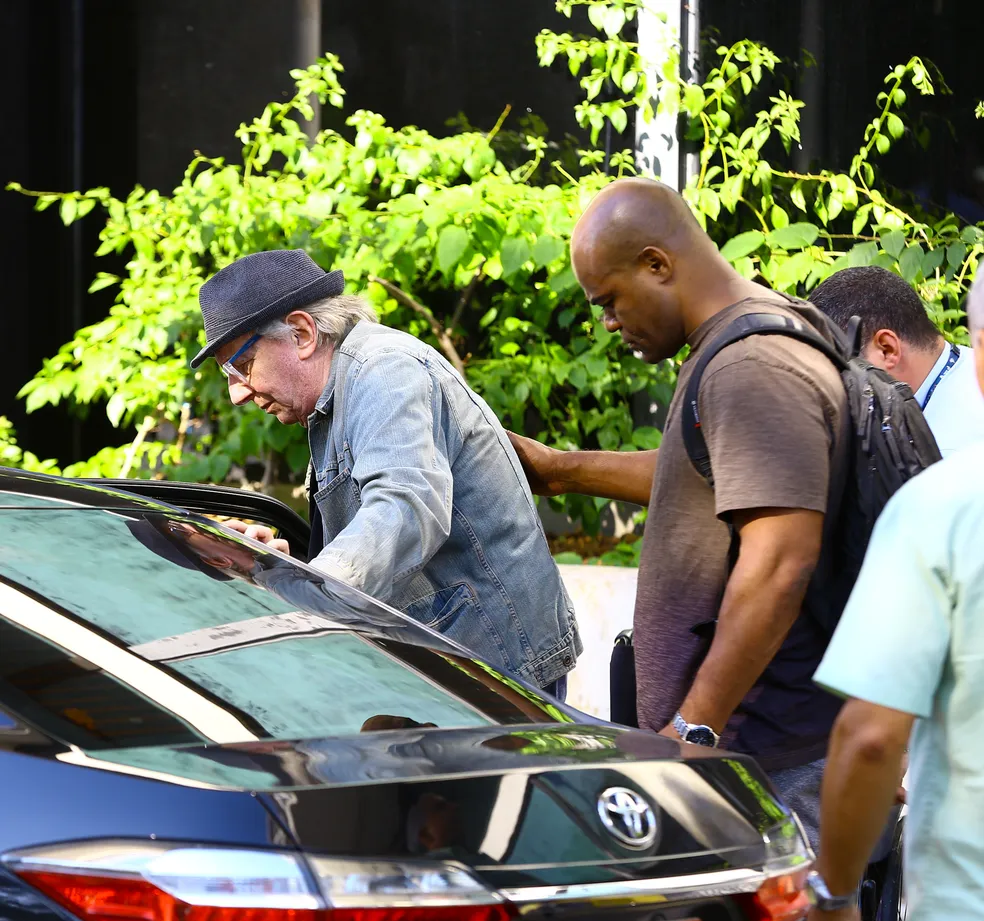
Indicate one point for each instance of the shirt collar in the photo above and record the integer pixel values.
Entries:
(323, 406)
(934, 372)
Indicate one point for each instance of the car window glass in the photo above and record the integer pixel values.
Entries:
(222, 641)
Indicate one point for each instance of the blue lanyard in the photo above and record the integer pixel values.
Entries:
(950, 362)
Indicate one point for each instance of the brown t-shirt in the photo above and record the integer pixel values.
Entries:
(774, 415)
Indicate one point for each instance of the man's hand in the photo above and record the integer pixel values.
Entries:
(540, 464)
(259, 532)
(625, 476)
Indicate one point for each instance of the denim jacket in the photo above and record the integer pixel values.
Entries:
(425, 506)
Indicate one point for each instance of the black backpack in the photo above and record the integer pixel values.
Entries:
(891, 443)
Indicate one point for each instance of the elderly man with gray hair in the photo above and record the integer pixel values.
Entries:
(919, 601)
(422, 499)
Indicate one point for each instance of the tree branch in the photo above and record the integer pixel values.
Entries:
(447, 346)
(466, 296)
(131, 452)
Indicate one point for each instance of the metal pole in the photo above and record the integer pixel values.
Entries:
(658, 151)
(811, 84)
(309, 50)
(78, 283)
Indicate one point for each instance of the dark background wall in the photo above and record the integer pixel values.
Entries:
(115, 92)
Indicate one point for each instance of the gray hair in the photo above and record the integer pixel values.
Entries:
(975, 301)
(335, 318)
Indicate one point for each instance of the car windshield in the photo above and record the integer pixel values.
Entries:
(121, 628)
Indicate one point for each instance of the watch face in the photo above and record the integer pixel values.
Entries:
(700, 735)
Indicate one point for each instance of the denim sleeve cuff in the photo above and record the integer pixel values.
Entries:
(336, 567)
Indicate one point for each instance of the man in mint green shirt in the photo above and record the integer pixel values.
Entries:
(909, 655)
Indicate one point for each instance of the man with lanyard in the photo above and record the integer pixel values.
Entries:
(900, 338)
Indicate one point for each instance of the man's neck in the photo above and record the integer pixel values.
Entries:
(719, 295)
(920, 363)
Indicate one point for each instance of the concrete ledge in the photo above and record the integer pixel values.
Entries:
(604, 600)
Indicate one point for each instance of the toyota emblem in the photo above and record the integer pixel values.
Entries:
(628, 817)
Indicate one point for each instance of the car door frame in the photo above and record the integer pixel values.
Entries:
(227, 501)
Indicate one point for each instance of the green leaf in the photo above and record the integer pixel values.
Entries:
(596, 15)
(298, 455)
(862, 254)
(103, 280)
(955, 255)
(910, 262)
(970, 234)
(893, 242)
(67, 210)
(793, 270)
(568, 558)
(797, 196)
(546, 249)
(452, 242)
(693, 99)
(742, 245)
(218, 467)
(795, 236)
(932, 261)
(779, 217)
(709, 203)
(515, 252)
(860, 219)
(613, 21)
(619, 120)
(882, 144)
(894, 125)
(563, 281)
(115, 409)
(647, 437)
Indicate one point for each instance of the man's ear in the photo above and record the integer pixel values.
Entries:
(305, 333)
(887, 348)
(657, 261)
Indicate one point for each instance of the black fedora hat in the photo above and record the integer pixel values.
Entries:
(259, 288)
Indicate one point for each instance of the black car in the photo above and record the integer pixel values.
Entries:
(194, 728)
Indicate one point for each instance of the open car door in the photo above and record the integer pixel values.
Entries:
(224, 502)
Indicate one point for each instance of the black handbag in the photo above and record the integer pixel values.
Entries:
(622, 678)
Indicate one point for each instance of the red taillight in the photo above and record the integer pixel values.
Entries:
(781, 898)
(98, 898)
(152, 881)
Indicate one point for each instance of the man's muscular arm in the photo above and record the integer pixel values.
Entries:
(778, 552)
(626, 476)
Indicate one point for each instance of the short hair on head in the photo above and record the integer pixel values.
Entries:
(975, 301)
(881, 299)
(335, 318)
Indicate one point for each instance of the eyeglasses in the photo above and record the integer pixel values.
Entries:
(229, 368)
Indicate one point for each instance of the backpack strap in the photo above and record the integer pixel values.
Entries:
(751, 324)
(854, 336)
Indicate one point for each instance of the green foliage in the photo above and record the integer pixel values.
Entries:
(12, 455)
(463, 240)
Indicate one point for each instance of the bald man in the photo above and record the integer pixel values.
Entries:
(774, 414)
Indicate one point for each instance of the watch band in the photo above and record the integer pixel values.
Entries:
(821, 898)
(695, 733)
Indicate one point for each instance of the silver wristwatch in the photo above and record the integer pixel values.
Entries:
(695, 733)
(820, 897)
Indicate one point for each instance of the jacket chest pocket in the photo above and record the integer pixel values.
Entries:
(338, 501)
